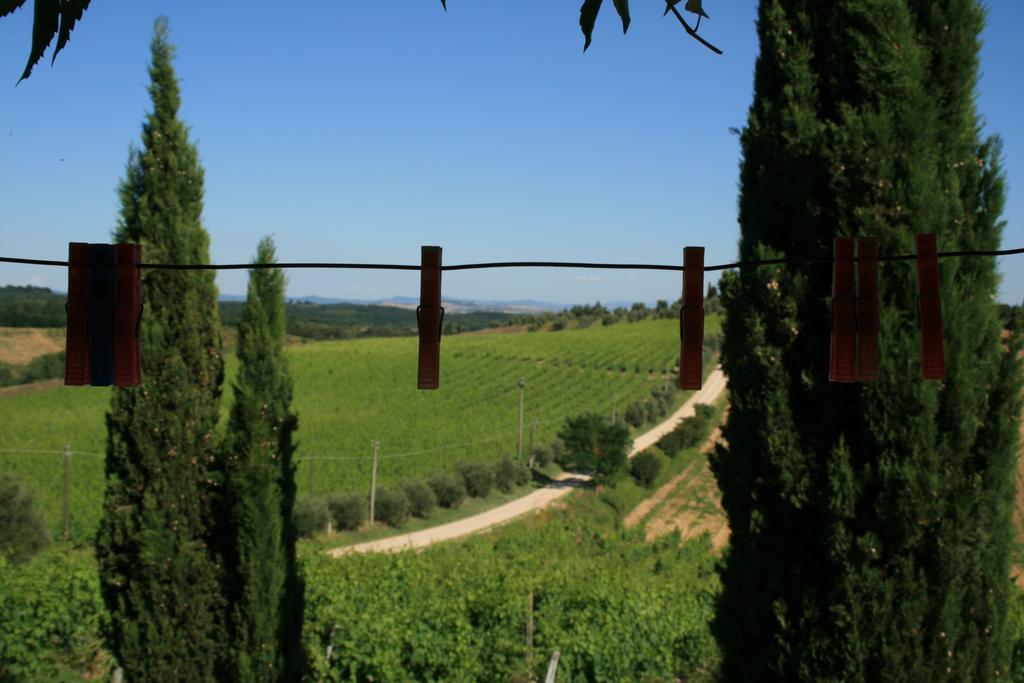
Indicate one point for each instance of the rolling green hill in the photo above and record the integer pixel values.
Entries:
(348, 393)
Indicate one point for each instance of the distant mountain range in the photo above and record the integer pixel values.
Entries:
(451, 305)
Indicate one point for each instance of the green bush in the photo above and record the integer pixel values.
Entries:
(421, 498)
(448, 488)
(392, 507)
(510, 473)
(635, 414)
(51, 617)
(477, 477)
(348, 511)
(542, 455)
(23, 531)
(645, 468)
(310, 515)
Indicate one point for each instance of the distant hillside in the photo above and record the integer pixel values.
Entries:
(31, 307)
(347, 321)
(36, 307)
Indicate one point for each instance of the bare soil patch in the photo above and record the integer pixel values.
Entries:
(690, 504)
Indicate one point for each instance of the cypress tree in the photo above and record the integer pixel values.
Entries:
(159, 578)
(870, 521)
(264, 616)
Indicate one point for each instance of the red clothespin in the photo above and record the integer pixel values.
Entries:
(929, 307)
(867, 310)
(429, 318)
(843, 357)
(77, 370)
(691, 320)
(128, 316)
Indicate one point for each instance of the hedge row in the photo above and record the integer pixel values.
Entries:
(416, 498)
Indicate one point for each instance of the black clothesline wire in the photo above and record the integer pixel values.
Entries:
(518, 264)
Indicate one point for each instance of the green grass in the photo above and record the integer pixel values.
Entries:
(348, 393)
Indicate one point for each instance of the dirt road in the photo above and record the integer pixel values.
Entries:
(539, 499)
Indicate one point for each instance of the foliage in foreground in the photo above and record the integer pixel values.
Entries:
(159, 577)
(51, 618)
(257, 532)
(23, 531)
(616, 608)
(896, 494)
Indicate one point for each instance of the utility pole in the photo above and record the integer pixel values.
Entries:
(615, 409)
(67, 490)
(311, 466)
(519, 441)
(373, 478)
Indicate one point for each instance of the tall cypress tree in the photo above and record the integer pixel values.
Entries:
(264, 595)
(158, 576)
(870, 522)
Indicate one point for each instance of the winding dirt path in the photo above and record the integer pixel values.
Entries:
(539, 499)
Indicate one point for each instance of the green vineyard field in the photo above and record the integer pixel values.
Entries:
(349, 393)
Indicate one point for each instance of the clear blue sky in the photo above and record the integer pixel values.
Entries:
(359, 131)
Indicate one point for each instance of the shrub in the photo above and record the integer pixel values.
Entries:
(448, 488)
(392, 507)
(51, 617)
(23, 531)
(542, 455)
(348, 511)
(645, 468)
(510, 473)
(310, 515)
(635, 414)
(421, 498)
(671, 443)
(478, 478)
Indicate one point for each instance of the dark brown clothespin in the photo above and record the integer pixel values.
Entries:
(843, 356)
(430, 318)
(128, 316)
(867, 309)
(691, 320)
(929, 307)
(77, 371)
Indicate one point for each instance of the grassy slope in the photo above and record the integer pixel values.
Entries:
(350, 392)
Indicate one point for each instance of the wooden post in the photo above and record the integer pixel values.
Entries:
(533, 442)
(67, 490)
(552, 667)
(311, 461)
(519, 440)
(373, 479)
(529, 635)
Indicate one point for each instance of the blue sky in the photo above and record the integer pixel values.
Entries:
(359, 131)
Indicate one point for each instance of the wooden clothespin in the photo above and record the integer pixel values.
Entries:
(102, 290)
(77, 370)
(691, 320)
(128, 316)
(430, 318)
(929, 307)
(843, 357)
(867, 309)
